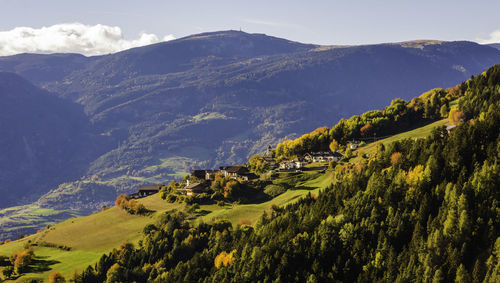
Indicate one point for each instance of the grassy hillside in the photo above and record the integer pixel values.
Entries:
(421, 132)
(418, 210)
(89, 237)
(252, 212)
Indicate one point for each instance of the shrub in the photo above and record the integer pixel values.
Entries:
(130, 205)
(7, 272)
(22, 260)
(56, 277)
(121, 200)
(456, 116)
(193, 208)
(274, 190)
(4, 260)
(148, 228)
(171, 198)
(231, 189)
(332, 164)
(216, 196)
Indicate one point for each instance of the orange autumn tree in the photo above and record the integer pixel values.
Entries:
(456, 117)
(224, 259)
(130, 205)
(23, 260)
(56, 277)
(396, 158)
(366, 130)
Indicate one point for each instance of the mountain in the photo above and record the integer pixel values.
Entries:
(45, 140)
(42, 68)
(494, 45)
(217, 98)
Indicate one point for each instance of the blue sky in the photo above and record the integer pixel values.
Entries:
(320, 22)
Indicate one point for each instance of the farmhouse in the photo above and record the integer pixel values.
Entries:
(210, 174)
(353, 144)
(299, 162)
(196, 188)
(149, 190)
(234, 171)
(287, 165)
(323, 156)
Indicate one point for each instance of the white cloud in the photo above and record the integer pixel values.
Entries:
(494, 38)
(71, 38)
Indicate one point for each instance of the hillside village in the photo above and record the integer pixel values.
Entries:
(200, 181)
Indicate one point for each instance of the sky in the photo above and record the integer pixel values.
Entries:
(98, 27)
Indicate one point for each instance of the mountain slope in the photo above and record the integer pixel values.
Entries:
(217, 98)
(43, 68)
(420, 210)
(494, 45)
(379, 203)
(45, 140)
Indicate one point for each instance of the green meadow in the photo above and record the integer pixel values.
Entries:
(91, 236)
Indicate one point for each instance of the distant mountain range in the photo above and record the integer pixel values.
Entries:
(96, 126)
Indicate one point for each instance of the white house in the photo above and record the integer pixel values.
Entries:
(287, 165)
(325, 156)
(353, 144)
(299, 163)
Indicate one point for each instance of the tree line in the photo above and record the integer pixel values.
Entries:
(397, 117)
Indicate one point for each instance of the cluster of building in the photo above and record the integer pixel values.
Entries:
(322, 156)
(203, 180)
(205, 177)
